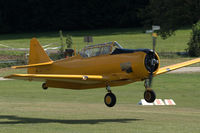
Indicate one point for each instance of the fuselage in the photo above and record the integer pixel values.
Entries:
(121, 67)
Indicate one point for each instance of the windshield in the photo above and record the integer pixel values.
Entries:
(117, 45)
(99, 49)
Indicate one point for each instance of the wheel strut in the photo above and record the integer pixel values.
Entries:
(108, 89)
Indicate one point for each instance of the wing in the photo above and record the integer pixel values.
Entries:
(177, 66)
(56, 77)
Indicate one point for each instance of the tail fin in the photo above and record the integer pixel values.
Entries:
(36, 55)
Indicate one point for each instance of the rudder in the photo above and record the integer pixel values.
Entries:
(36, 55)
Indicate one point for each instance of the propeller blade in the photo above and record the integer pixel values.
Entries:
(153, 62)
(154, 36)
(154, 44)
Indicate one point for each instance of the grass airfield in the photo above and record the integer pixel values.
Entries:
(25, 107)
(128, 38)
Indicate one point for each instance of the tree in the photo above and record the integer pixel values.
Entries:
(52, 15)
(62, 45)
(194, 43)
(69, 41)
(171, 14)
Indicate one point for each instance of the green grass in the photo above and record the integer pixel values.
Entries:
(169, 61)
(18, 53)
(25, 107)
(128, 38)
(8, 71)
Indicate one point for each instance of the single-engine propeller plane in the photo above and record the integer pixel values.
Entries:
(100, 65)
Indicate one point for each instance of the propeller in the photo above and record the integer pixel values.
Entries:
(153, 61)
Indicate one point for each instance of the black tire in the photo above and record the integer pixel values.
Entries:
(44, 86)
(149, 96)
(110, 99)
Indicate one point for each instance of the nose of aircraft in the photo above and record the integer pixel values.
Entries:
(151, 61)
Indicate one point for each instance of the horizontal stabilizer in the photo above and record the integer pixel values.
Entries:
(33, 65)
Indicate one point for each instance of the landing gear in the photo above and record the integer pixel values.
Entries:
(149, 94)
(110, 98)
(146, 82)
(44, 86)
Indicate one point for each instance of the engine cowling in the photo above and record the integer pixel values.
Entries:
(152, 61)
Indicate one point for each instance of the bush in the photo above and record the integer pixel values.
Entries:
(17, 63)
(69, 41)
(194, 43)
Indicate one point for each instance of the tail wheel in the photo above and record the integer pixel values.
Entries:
(110, 99)
(149, 96)
(44, 86)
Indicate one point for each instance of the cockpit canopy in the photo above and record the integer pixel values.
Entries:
(99, 49)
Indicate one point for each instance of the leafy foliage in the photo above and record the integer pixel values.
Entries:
(37, 15)
(194, 43)
(62, 44)
(171, 14)
(69, 41)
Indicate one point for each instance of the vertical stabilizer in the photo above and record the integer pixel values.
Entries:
(36, 55)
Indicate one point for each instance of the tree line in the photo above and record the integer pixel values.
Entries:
(48, 15)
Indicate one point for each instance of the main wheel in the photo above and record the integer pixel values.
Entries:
(149, 96)
(110, 99)
(44, 86)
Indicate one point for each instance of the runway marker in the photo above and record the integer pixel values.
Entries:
(159, 102)
(169, 102)
(143, 102)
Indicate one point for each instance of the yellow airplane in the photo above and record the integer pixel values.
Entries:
(101, 65)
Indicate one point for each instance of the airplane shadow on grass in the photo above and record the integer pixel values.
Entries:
(25, 120)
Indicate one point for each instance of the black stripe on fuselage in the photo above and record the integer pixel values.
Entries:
(124, 51)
